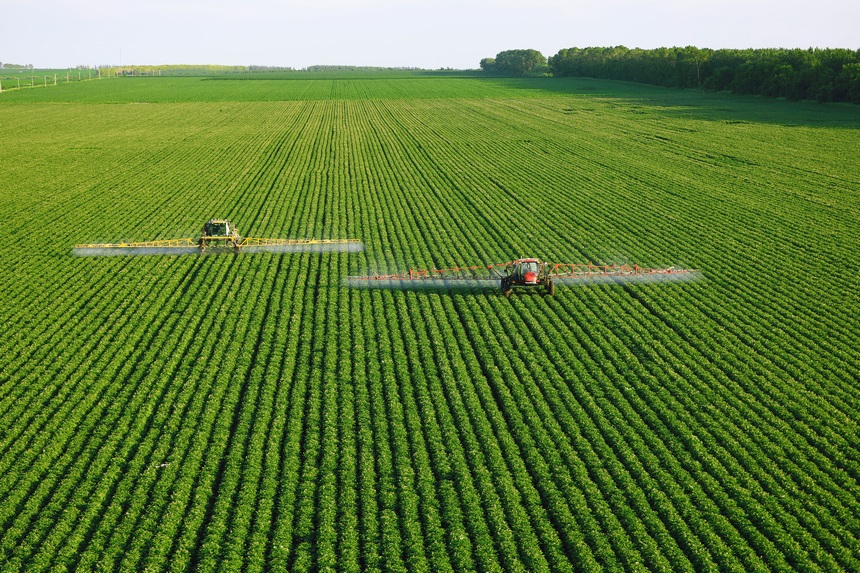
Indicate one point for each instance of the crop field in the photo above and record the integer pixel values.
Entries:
(253, 413)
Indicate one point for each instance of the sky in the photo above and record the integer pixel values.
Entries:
(398, 33)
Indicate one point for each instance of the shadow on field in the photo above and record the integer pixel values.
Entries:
(644, 100)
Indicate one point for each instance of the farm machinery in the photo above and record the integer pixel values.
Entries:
(529, 273)
(526, 273)
(218, 236)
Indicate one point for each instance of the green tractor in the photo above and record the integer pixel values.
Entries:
(219, 233)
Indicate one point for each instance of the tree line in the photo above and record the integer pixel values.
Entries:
(830, 74)
(346, 68)
(516, 63)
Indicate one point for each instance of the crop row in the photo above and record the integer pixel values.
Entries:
(223, 413)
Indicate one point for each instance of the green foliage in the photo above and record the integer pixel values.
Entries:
(516, 63)
(342, 68)
(252, 413)
(816, 74)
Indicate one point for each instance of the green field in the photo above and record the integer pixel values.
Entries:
(251, 413)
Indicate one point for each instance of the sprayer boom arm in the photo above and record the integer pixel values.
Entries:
(165, 243)
(551, 270)
(527, 273)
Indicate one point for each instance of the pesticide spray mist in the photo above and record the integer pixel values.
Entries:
(127, 251)
(422, 284)
(642, 278)
(431, 284)
(94, 251)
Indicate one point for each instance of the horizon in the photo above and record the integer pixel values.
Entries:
(358, 67)
(398, 34)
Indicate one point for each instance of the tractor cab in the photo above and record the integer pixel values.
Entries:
(527, 271)
(217, 228)
(219, 232)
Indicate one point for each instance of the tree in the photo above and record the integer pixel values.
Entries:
(488, 64)
(822, 74)
(520, 62)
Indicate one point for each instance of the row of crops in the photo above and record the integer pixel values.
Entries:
(307, 86)
(224, 413)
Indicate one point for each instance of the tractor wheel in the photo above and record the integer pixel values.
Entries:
(506, 288)
(550, 287)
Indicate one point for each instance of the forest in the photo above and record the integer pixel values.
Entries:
(825, 75)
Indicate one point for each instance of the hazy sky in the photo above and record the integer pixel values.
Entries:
(419, 33)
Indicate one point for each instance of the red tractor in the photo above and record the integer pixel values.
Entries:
(527, 273)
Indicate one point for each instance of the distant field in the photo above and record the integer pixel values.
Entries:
(284, 87)
(252, 413)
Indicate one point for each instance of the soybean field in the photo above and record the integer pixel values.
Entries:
(253, 413)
